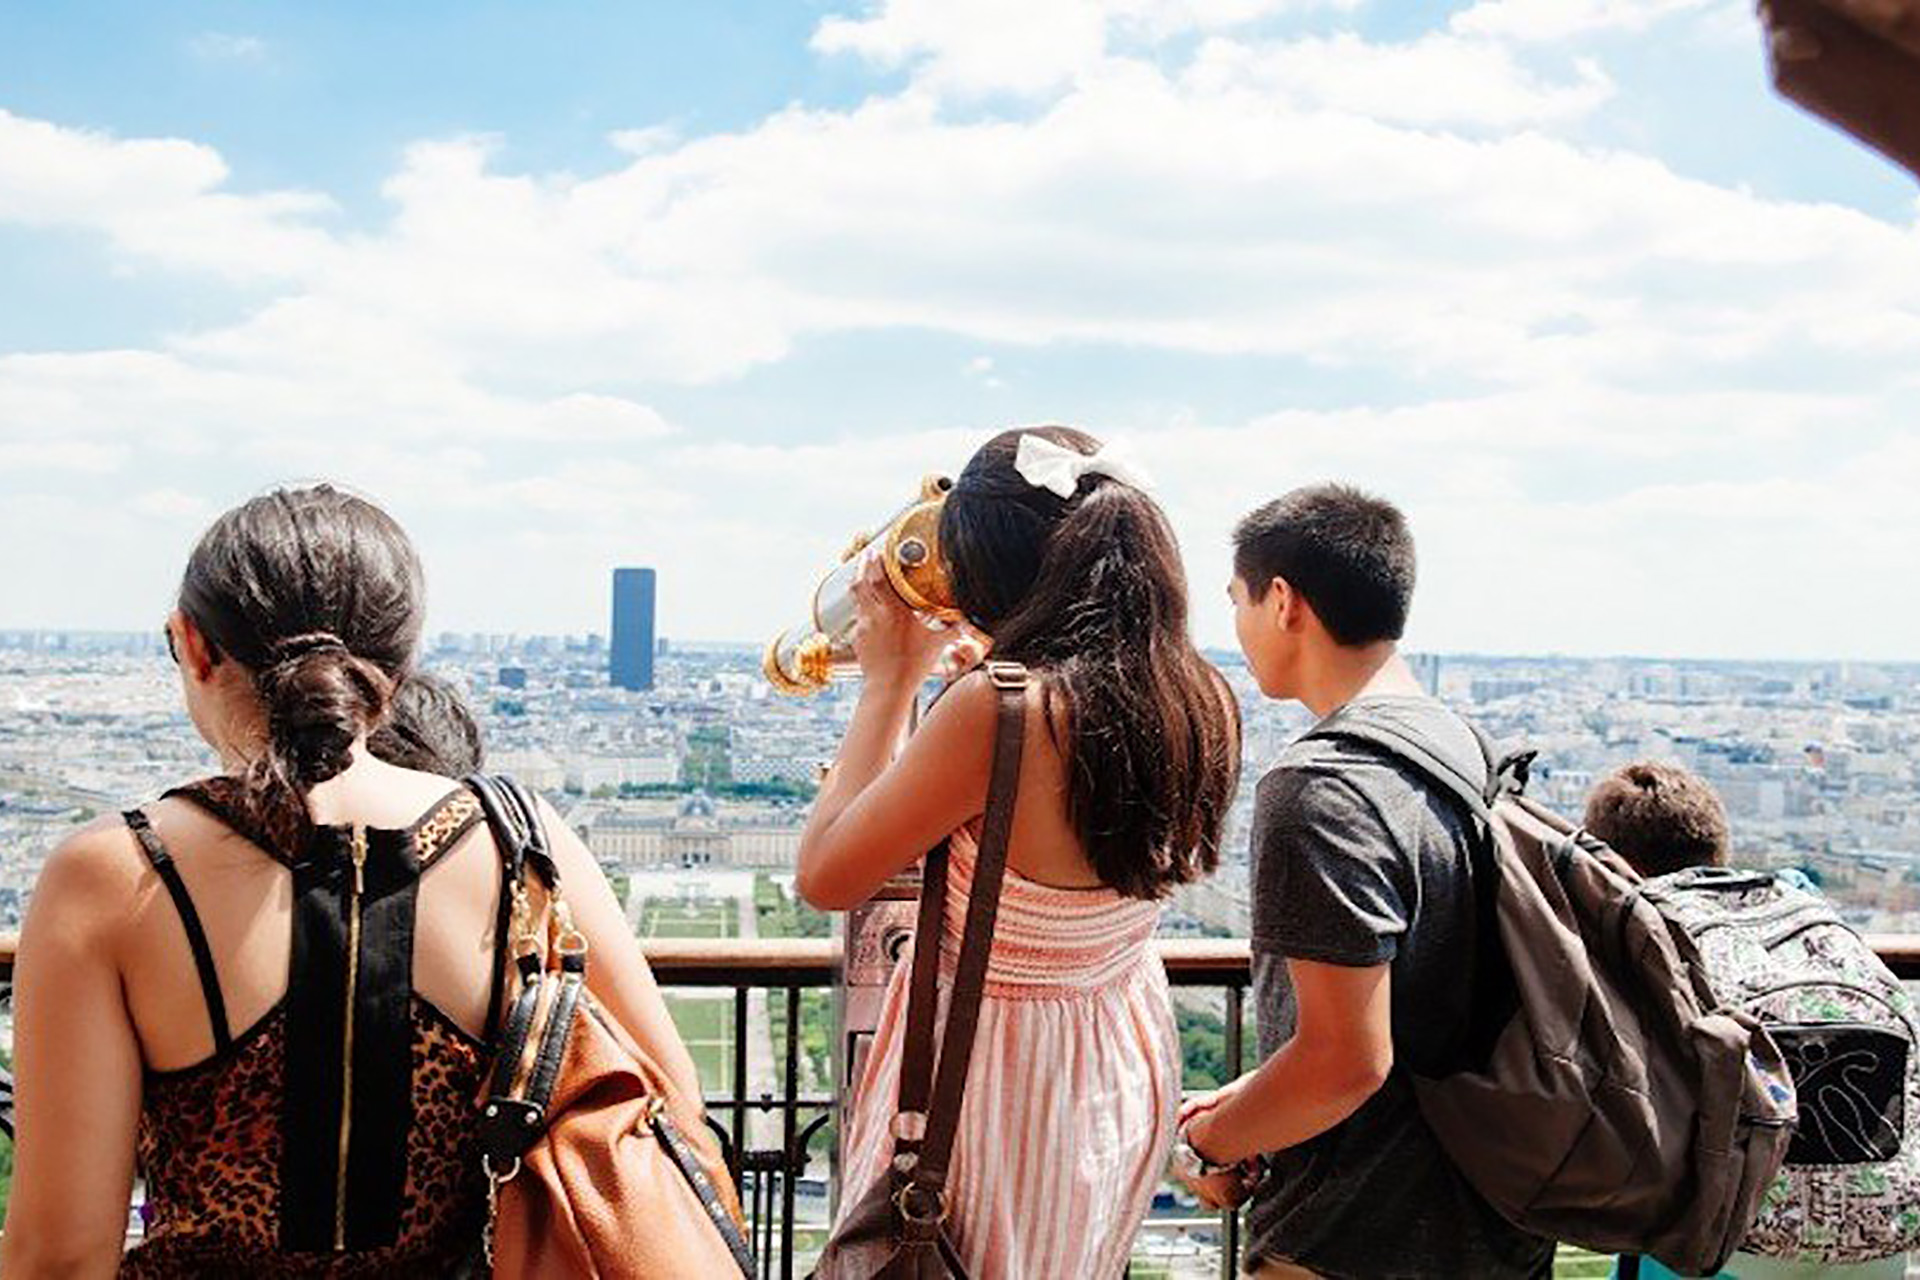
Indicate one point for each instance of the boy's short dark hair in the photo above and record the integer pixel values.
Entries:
(1659, 817)
(1347, 552)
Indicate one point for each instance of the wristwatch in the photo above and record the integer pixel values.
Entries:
(1190, 1162)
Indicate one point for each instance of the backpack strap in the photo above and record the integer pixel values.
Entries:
(928, 1112)
(163, 866)
(521, 839)
(1489, 1011)
(1409, 748)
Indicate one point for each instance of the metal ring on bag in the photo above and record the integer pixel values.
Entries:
(903, 1201)
(495, 1179)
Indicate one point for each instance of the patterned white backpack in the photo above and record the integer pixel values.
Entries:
(1850, 1189)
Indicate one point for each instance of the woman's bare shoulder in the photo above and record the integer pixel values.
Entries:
(90, 876)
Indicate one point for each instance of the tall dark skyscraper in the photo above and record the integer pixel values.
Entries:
(632, 648)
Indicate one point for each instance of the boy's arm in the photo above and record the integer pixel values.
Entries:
(1337, 1059)
(1326, 895)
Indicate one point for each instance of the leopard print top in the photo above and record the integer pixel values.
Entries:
(210, 1146)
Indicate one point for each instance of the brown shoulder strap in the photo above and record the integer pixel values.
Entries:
(916, 1057)
(925, 1092)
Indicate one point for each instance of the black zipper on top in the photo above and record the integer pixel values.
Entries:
(348, 1105)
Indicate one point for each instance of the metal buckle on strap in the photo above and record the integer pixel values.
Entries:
(921, 1204)
(1007, 675)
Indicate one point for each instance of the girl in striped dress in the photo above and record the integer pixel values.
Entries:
(1062, 563)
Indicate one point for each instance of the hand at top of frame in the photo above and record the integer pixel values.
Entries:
(1855, 64)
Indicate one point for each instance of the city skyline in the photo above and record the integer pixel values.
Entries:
(440, 639)
(1815, 761)
(1629, 339)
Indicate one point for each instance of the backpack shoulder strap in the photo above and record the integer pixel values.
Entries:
(1354, 725)
(513, 818)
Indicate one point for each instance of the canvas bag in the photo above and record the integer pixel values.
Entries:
(1850, 1191)
(596, 1166)
(897, 1229)
(1613, 1103)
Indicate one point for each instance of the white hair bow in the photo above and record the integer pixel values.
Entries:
(1046, 465)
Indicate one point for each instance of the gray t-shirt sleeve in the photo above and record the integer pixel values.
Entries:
(1326, 883)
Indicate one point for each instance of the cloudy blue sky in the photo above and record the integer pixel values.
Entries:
(707, 286)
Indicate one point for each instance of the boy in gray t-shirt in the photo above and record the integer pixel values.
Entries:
(1363, 928)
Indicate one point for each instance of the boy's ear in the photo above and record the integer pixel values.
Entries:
(1282, 604)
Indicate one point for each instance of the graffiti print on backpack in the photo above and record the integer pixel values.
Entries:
(1850, 1188)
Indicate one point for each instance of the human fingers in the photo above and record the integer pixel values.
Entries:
(1193, 1106)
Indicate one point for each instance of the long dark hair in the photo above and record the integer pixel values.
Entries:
(319, 594)
(1089, 592)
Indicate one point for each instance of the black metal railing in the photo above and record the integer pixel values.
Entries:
(769, 1176)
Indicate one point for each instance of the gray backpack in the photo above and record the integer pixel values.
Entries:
(1850, 1191)
(1607, 1099)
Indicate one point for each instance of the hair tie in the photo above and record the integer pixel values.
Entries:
(293, 648)
(1058, 469)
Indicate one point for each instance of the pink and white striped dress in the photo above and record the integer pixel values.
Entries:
(1072, 1091)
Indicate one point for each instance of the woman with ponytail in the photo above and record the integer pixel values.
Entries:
(271, 990)
(1063, 565)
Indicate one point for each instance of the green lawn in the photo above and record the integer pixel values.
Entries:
(698, 918)
(706, 1024)
(1577, 1264)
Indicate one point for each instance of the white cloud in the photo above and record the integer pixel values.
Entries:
(1650, 369)
(980, 369)
(1028, 47)
(170, 505)
(582, 416)
(1356, 204)
(1437, 80)
(156, 200)
(1554, 20)
(223, 46)
(20, 456)
(1024, 47)
(972, 48)
(88, 409)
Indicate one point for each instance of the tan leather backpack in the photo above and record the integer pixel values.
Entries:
(596, 1165)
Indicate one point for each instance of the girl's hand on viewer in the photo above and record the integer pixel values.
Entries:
(891, 641)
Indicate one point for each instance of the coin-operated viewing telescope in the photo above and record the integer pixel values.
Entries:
(802, 659)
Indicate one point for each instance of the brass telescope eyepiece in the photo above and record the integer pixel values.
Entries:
(805, 658)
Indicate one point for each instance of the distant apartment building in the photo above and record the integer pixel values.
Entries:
(588, 774)
(534, 767)
(1496, 689)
